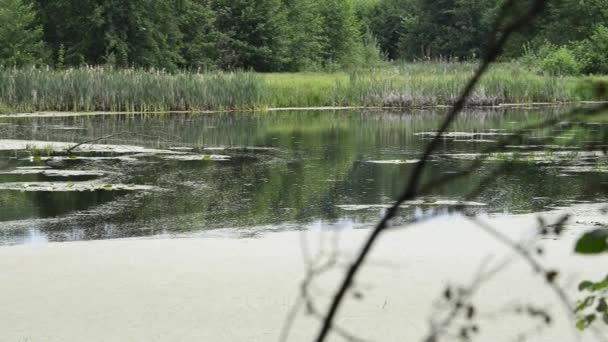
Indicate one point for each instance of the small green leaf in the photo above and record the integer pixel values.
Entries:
(584, 304)
(593, 242)
(605, 317)
(581, 324)
(585, 285)
(601, 305)
(585, 322)
(601, 285)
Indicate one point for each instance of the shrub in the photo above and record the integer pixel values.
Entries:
(560, 62)
(593, 52)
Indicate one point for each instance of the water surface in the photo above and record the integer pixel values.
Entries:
(249, 172)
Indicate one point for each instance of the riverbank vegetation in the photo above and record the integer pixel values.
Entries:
(163, 55)
(408, 85)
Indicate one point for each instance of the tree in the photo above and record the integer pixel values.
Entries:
(197, 26)
(385, 20)
(341, 32)
(444, 29)
(124, 33)
(306, 40)
(571, 20)
(140, 33)
(593, 52)
(252, 34)
(20, 36)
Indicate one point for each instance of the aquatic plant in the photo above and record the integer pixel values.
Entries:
(400, 85)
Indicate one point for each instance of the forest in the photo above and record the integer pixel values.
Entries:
(571, 38)
(276, 170)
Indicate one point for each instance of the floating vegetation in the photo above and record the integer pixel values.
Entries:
(25, 145)
(585, 169)
(456, 135)
(35, 159)
(407, 204)
(358, 207)
(45, 171)
(197, 157)
(72, 187)
(445, 203)
(396, 161)
(534, 156)
(552, 147)
(182, 149)
(475, 141)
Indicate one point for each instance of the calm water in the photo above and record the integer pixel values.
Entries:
(283, 170)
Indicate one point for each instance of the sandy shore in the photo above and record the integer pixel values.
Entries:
(224, 289)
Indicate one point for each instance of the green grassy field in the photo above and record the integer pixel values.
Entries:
(406, 85)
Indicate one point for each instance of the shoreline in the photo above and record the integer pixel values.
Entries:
(57, 114)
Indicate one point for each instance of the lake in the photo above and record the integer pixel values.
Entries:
(243, 173)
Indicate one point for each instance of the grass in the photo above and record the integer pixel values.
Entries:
(406, 85)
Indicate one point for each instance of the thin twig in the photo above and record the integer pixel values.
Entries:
(412, 188)
(69, 150)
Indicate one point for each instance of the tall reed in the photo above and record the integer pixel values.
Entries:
(406, 85)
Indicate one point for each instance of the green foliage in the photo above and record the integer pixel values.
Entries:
(559, 62)
(566, 21)
(593, 242)
(306, 41)
(594, 305)
(20, 37)
(197, 26)
(341, 32)
(109, 89)
(593, 88)
(593, 52)
(444, 29)
(290, 35)
(385, 19)
(371, 55)
(122, 33)
(406, 85)
(253, 34)
(4, 109)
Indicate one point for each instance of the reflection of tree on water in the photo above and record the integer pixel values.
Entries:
(313, 162)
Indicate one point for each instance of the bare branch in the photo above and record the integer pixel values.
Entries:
(411, 190)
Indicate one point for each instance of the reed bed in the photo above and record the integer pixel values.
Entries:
(406, 85)
(100, 89)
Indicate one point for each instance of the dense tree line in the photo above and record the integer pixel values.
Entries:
(281, 35)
